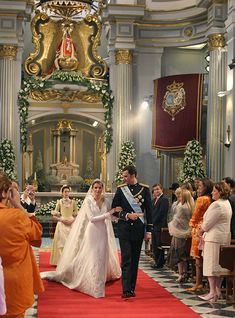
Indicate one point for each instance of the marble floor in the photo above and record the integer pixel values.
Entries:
(167, 279)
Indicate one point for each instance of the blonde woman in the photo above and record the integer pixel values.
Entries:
(174, 204)
(64, 213)
(215, 229)
(180, 231)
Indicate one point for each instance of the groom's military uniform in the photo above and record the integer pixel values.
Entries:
(131, 232)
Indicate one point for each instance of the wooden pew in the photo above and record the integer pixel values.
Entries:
(227, 260)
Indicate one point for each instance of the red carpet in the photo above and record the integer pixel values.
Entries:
(152, 301)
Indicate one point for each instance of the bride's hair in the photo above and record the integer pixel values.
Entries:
(97, 181)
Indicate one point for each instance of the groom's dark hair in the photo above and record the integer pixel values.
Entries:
(131, 170)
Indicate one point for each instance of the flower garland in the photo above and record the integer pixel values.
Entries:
(100, 87)
(192, 166)
(127, 157)
(7, 158)
(29, 84)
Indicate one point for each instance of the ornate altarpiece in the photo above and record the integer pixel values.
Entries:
(65, 44)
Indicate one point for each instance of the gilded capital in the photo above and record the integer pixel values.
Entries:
(8, 51)
(216, 41)
(123, 57)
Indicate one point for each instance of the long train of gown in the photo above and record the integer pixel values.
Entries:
(89, 258)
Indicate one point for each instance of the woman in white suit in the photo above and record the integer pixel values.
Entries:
(215, 230)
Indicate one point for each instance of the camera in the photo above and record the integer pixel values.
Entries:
(31, 193)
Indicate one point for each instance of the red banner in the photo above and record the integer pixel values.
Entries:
(176, 111)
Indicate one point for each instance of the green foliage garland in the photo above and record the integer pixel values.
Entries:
(192, 165)
(100, 87)
(127, 157)
(7, 158)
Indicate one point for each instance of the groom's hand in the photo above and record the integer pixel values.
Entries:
(132, 216)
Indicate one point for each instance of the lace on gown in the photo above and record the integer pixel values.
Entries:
(89, 258)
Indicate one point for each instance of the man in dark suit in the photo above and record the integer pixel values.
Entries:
(135, 200)
(27, 199)
(159, 217)
(231, 183)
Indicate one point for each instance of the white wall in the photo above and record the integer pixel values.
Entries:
(147, 68)
(183, 61)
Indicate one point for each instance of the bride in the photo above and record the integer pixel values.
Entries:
(89, 258)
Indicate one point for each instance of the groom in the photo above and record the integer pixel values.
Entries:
(135, 200)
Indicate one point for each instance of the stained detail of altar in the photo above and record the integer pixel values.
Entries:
(64, 164)
(62, 115)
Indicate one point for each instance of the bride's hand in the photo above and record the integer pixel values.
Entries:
(115, 210)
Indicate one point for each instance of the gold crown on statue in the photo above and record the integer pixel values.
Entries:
(174, 87)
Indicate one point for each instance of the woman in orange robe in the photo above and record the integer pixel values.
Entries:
(19, 231)
(204, 190)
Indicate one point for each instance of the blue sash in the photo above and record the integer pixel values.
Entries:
(131, 200)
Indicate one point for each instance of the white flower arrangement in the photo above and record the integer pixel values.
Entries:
(102, 88)
(192, 166)
(47, 208)
(127, 157)
(7, 158)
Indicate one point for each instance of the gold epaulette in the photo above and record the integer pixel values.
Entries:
(121, 185)
(144, 185)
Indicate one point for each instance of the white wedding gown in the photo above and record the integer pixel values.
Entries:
(89, 258)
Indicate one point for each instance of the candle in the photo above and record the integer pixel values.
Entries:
(35, 175)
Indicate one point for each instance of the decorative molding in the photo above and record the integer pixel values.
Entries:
(123, 57)
(188, 32)
(216, 41)
(7, 23)
(65, 95)
(47, 36)
(8, 51)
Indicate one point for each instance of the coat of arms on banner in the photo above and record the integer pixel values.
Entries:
(174, 99)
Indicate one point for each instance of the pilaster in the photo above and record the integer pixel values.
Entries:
(216, 105)
(7, 91)
(123, 60)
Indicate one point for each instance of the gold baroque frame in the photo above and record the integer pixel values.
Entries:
(47, 35)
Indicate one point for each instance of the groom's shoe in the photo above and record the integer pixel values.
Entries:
(133, 294)
(126, 295)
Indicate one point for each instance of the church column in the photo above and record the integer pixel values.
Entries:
(124, 99)
(57, 134)
(72, 146)
(229, 153)
(216, 105)
(7, 91)
(54, 147)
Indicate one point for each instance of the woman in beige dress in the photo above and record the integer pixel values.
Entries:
(180, 230)
(215, 229)
(64, 213)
